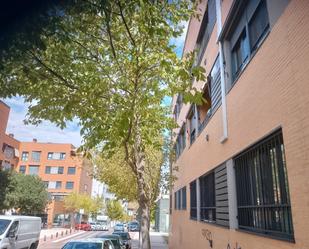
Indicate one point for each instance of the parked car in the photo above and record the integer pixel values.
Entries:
(91, 243)
(102, 226)
(119, 227)
(125, 239)
(133, 226)
(18, 232)
(93, 226)
(115, 239)
(83, 226)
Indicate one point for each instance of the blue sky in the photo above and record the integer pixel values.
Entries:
(48, 132)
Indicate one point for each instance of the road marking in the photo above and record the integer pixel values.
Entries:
(67, 237)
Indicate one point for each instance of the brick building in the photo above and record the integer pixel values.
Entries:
(243, 155)
(58, 165)
(9, 147)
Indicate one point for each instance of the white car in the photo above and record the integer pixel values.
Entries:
(17, 232)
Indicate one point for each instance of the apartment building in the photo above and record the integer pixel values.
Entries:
(62, 170)
(9, 147)
(242, 156)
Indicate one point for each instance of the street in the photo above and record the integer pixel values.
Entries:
(59, 243)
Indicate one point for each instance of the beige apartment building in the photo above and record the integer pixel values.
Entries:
(242, 156)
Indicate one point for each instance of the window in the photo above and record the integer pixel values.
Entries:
(181, 199)
(56, 156)
(262, 189)
(35, 156)
(178, 106)
(192, 124)
(207, 25)
(211, 95)
(69, 185)
(53, 170)
(13, 229)
(46, 184)
(208, 197)
(85, 187)
(33, 170)
(250, 29)
(58, 184)
(193, 201)
(24, 156)
(22, 169)
(54, 185)
(181, 141)
(71, 170)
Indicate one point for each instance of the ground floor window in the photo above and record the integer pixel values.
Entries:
(193, 201)
(262, 189)
(208, 197)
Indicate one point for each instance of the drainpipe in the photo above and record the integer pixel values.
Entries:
(222, 75)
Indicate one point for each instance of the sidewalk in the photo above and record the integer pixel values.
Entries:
(157, 240)
(55, 233)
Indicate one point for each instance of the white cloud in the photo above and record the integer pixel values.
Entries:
(44, 132)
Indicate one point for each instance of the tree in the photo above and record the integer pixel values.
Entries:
(110, 64)
(74, 202)
(28, 195)
(5, 188)
(114, 210)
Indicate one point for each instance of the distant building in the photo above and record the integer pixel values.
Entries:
(9, 146)
(58, 165)
(162, 214)
(101, 189)
(62, 170)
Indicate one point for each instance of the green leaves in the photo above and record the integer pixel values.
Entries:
(114, 210)
(28, 194)
(91, 205)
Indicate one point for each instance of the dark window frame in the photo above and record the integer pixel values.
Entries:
(245, 17)
(262, 189)
(67, 184)
(193, 200)
(71, 173)
(208, 197)
(22, 169)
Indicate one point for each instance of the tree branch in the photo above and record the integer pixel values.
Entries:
(54, 73)
(125, 23)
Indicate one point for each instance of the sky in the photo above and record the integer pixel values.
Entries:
(48, 132)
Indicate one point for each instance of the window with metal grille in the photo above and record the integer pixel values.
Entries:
(208, 197)
(193, 201)
(262, 189)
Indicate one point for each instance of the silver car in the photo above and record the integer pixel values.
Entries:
(91, 243)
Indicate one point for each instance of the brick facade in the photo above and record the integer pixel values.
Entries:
(271, 92)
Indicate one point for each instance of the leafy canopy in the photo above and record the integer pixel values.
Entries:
(28, 195)
(114, 210)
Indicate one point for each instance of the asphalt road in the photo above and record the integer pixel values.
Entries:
(59, 243)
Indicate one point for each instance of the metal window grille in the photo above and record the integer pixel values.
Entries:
(208, 197)
(193, 201)
(262, 189)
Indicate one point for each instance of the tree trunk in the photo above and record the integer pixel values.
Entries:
(144, 224)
